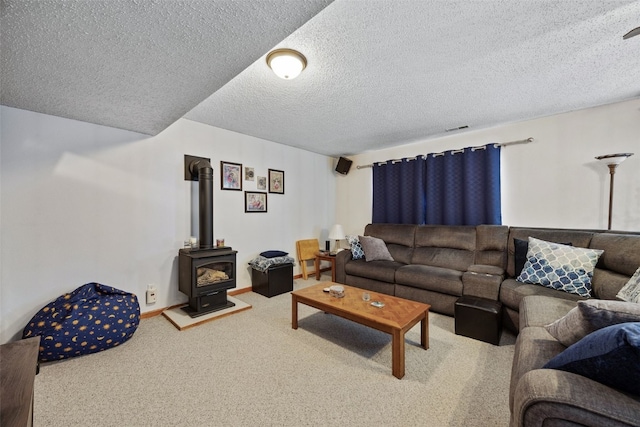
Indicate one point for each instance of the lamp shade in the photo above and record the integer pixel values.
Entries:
(336, 232)
(614, 159)
(286, 63)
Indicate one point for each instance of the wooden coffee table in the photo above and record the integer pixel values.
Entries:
(396, 317)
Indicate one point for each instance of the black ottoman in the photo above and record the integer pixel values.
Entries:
(277, 280)
(479, 318)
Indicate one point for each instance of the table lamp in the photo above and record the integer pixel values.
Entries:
(336, 233)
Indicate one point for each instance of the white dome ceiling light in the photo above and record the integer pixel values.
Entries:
(286, 63)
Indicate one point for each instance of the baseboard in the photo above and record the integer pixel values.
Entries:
(299, 276)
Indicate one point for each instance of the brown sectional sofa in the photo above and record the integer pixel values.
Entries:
(439, 264)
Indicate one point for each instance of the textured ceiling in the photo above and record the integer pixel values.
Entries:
(134, 64)
(381, 72)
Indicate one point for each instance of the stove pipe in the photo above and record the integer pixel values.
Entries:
(204, 171)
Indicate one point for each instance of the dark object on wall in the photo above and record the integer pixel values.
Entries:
(278, 279)
(343, 166)
(200, 169)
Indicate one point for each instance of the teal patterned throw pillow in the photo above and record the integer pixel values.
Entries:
(561, 267)
(356, 248)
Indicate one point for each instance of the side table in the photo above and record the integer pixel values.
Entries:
(17, 375)
(322, 256)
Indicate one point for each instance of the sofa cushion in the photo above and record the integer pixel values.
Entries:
(631, 291)
(491, 245)
(606, 283)
(400, 253)
(356, 248)
(589, 316)
(621, 252)
(445, 246)
(374, 249)
(383, 271)
(399, 234)
(559, 266)
(609, 355)
(443, 280)
(537, 310)
(512, 292)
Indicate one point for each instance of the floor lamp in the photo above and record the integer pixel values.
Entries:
(612, 160)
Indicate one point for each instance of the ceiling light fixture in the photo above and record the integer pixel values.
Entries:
(286, 63)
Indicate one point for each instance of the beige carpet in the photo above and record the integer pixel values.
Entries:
(252, 369)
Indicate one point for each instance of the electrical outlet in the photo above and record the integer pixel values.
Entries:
(151, 294)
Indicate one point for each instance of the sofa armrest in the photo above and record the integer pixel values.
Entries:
(482, 281)
(342, 258)
(551, 396)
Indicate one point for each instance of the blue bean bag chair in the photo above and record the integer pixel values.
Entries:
(92, 318)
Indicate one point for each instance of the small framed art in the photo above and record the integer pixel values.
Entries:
(276, 181)
(248, 174)
(262, 183)
(255, 201)
(230, 176)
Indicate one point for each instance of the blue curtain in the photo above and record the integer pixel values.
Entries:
(399, 192)
(464, 188)
(461, 187)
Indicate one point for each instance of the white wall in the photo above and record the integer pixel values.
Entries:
(82, 203)
(552, 182)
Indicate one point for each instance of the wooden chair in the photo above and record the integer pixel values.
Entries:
(307, 250)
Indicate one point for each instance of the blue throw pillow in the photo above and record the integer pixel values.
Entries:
(609, 355)
(273, 254)
(356, 248)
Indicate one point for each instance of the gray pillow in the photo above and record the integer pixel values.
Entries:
(631, 291)
(374, 249)
(591, 315)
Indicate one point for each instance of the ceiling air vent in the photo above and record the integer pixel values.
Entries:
(458, 128)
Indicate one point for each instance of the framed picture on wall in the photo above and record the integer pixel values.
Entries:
(248, 174)
(255, 201)
(262, 183)
(230, 176)
(276, 181)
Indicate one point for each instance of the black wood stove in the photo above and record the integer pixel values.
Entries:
(205, 276)
(206, 272)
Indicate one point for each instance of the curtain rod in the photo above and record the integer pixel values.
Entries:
(481, 147)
